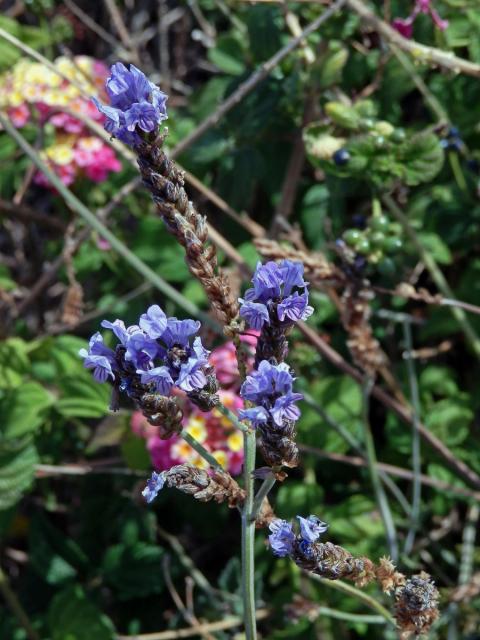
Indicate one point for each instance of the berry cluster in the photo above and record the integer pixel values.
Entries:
(377, 241)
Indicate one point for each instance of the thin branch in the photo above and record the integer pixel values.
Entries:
(419, 52)
(399, 472)
(221, 625)
(260, 74)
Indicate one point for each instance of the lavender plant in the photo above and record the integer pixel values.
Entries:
(160, 359)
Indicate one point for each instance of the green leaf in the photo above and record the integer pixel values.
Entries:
(314, 209)
(227, 55)
(83, 398)
(17, 470)
(23, 409)
(436, 246)
(134, 571)
(421, 157)
(331, 65)
(72, 616)
(14, 362)
(54, 556)
(263, 31)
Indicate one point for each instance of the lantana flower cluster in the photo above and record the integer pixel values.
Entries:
(213, 430)
(32, 92)
(284, 541)
(159, 352)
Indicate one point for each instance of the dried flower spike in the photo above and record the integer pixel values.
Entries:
(416, 605)
(137, 110)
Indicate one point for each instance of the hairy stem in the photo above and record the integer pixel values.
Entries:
(248, 539)
(262, 493)
(350, 590)
(200, 449)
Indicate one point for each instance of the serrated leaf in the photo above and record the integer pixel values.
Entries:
(23, 409)
(421, 157)
(72, 616)
(17, 470)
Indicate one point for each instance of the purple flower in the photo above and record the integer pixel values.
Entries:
(118, 328)
(266, 281)
(255, 313)
(101, 365)
(136, 103)
(285, 408)
(256, 415)
(295, 308)
(275, 288)
(141, 350)
(154, 485)
(311, 528)
(292, 276)
(178, 332)
(191, 376)
(281, 538)
(160, 377)
(154, 322)
(99, 358)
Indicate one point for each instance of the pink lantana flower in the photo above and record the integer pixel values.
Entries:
(404, 26)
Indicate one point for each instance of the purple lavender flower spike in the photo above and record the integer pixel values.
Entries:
(295, 308)
(266, 280)
(178, 332)
(191, 376)
(99, 358)
(311, 528)
(256, 415)
(285, 408)
(292, 276)
(136, 104)
(118, 328)
(281, 538)
(101, 365)
(141, 350)
(160, 377)
(154, 322)
(255, 313)
(154, 486)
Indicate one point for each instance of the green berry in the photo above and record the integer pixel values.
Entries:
(380, 142)
(375, 256)
(392, 244)
(367, 124)
(363, 247)
(395, 229)
(377, 238)
(352, 237)
(378, 223)
(398, 135)
(386, 267)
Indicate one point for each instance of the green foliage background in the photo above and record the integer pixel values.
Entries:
(86, 557)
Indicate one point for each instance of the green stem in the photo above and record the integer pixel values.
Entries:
(78, 207)
(262, 493)
(233, 418)
(248, 539)
(365, 618)
(200, 449)
(435, 272)
(457, 171)
(375, 477)
(15, 607)
(416, 460)
(356, 593)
